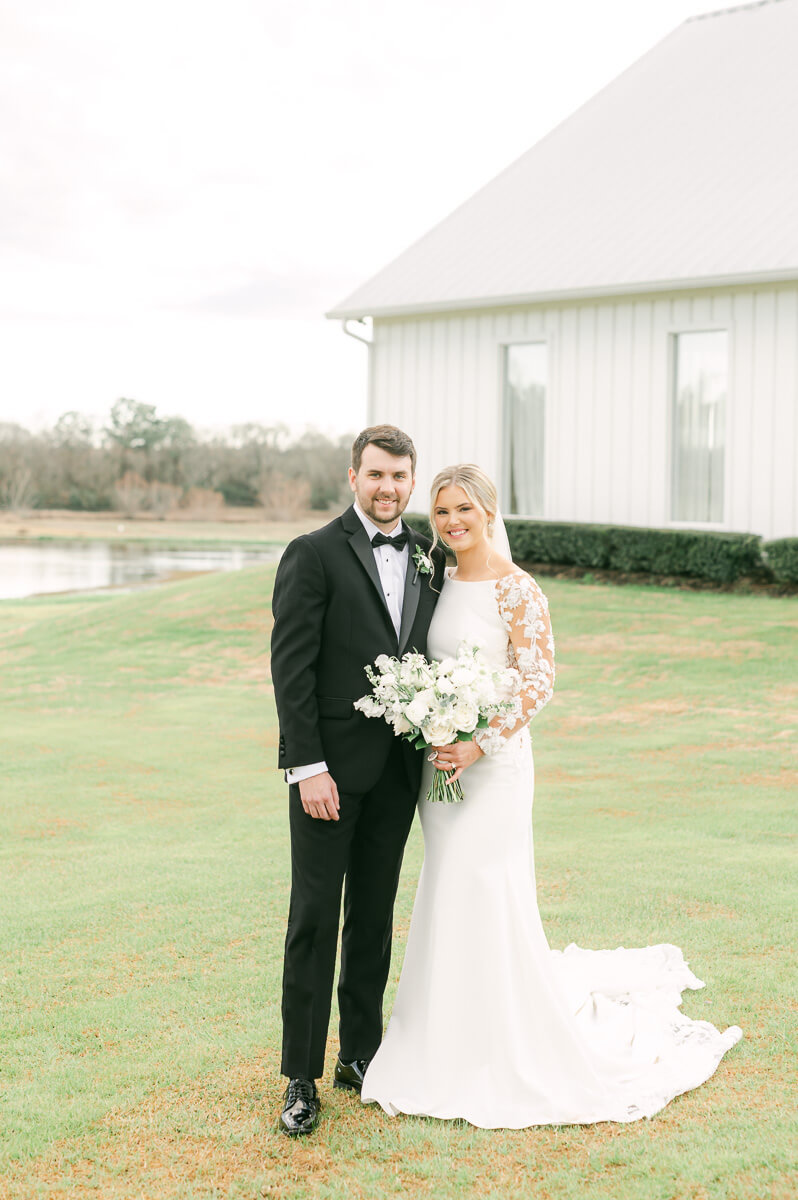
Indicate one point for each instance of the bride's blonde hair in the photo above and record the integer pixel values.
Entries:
(479, 488)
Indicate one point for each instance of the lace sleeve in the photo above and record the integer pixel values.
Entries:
(524, 611)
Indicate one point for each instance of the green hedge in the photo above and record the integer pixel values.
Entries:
(721, 557)
(782, 558)
(559, 542)
(703, 554)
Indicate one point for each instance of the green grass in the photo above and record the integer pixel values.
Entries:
(144, 883)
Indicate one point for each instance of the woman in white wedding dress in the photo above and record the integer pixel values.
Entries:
(489, 1023)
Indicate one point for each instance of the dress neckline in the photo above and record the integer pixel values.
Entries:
(452, 579)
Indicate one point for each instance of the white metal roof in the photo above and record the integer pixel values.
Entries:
(683, 171)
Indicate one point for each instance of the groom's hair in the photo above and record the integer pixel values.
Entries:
(387, 437)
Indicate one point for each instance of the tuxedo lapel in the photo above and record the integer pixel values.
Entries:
(412, 592)
(362, 548)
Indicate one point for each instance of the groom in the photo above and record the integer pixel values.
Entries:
(344, 594)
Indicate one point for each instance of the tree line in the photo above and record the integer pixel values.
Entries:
(142, 462)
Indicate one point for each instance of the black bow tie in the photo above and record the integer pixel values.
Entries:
(399, 542)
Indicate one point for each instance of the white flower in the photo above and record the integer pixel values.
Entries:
(416, 711)
(465, 716)
(370, 707)
(438, 731)
(422, 561)
(415, 671)
(401, 725)
(386, 689)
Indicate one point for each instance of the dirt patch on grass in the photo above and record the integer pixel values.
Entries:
(637, 714)
(703, 910)
(778, 779)
(555, 888)
(206, 1138)
(51, 827)
(217, 1136)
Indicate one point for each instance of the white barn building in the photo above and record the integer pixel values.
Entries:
(610, 327)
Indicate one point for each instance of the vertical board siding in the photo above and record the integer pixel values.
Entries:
(785, 424)
(582, 431)
(640, 403)
(620, 462)
(761, 459)
(603, 413)
(740, 416)
(658, 458)
(565, 404)
(608, 403)
(554, 434)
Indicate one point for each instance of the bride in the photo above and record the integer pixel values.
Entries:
(489, 1023)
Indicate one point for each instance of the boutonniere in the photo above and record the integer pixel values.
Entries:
(423, 563)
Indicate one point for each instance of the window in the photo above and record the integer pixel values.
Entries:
(699, 415)
(524, 427)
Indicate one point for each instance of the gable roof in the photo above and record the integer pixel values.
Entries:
(682, 172)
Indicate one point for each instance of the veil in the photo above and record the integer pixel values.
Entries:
(499, 540)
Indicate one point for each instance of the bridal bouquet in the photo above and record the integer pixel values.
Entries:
(436, 703)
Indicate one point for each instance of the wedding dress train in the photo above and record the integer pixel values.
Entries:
(489, 1023)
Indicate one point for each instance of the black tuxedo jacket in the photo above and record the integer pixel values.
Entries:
(330, 621)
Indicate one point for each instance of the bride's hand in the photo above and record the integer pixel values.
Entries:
(458, 755)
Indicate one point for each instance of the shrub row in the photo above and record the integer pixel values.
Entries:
(782, 558)
(702, 554)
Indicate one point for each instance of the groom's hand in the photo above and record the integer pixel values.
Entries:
(456, 758)
(319, 797)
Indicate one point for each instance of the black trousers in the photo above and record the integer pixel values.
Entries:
(364, 848)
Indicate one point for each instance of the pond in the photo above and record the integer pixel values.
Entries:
(39, 568)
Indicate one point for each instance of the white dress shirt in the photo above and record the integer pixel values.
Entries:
(392, 569)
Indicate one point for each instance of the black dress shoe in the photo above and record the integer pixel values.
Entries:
(301, 1108)
(350, 1075)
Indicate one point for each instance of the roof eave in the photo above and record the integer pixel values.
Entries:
(643, 287)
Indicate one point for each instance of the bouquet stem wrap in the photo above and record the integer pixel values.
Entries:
(441, 790)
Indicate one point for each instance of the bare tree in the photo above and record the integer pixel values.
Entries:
(17, 489)
(283, 498)
(130, 494)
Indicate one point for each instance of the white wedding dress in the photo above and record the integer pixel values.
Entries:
(489, 1023)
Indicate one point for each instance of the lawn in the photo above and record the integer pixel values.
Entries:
(144, 884)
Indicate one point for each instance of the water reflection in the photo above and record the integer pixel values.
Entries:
(37, 568)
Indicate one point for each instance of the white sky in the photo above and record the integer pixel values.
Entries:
(187, 185)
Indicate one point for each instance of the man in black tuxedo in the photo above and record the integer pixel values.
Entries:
(342, 596)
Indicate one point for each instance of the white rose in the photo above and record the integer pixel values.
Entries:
(416, 711)
(465, 716)
(438, 731)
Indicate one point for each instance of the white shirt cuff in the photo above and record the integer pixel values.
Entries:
(297, 774)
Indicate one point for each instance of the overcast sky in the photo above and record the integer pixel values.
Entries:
(187, 185)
